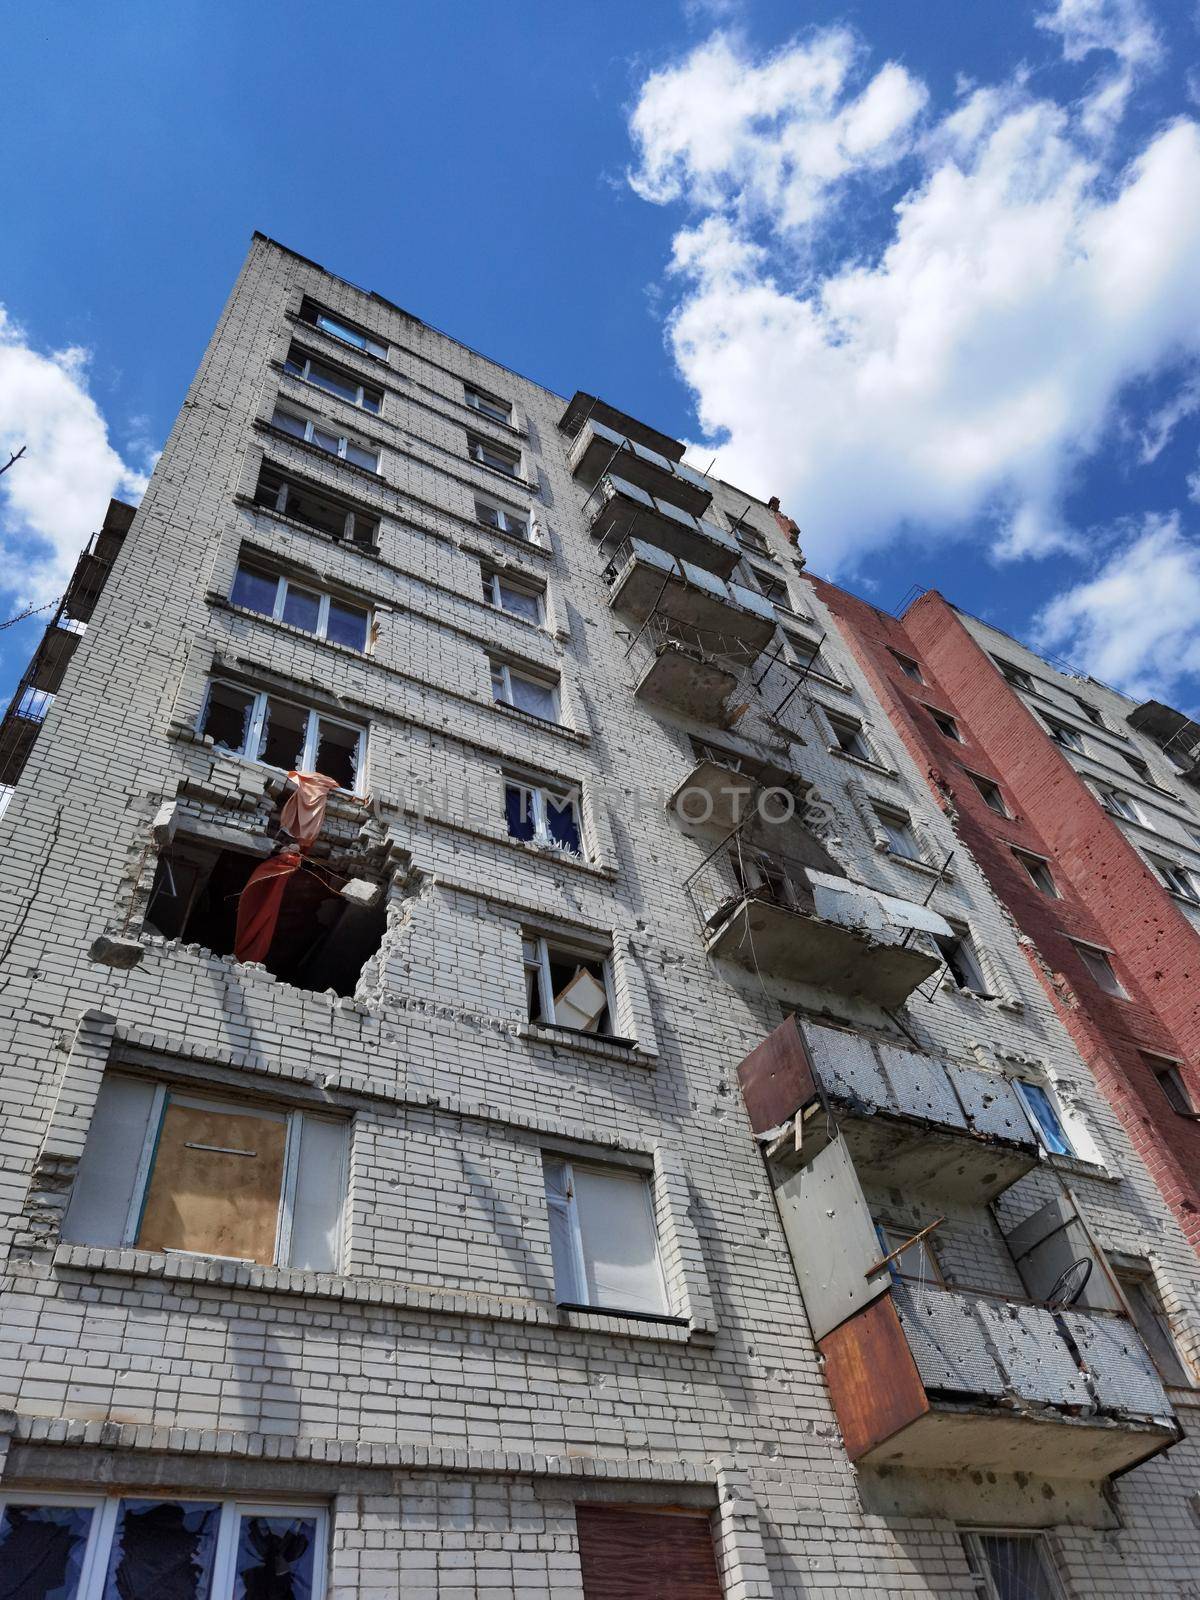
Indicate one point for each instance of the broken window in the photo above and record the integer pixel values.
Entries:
(567, 986)
(167, 1170)
(1151, 1320)
(945, 724)
(1044, 1116)
(311, 430)
(962, 961)
(990, 791)
(849, 738)
(907, 666)
(85, 1548)
(1016, 676)
(334, 380)
(526, 692)
(1169, 1077)
(515, 595)
(914, 1261)
(1100, 969)
(1178, 879)
(602, 1238)
(348, 332)
(503, 519)
(281, 734)
(315, 508)
(805, 653)
(1012, 1566)
(488, 405)
(325, 931)
(1039, 872)
(902, 841)
(1068, 738)
(1118, 804)
(496, 456)
(771, 585)
(542, 814)
(761, 876)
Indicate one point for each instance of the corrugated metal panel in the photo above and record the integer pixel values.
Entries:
(921, 1086)
(1119, 1364)
(1033, 1354)
(846, 1065)
(947, 1341)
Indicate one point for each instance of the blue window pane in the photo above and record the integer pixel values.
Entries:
(518, 812)
(347, 625)
(1046, 1117)
(302, 609)
(163, 1550)
(254, 590)
(275, 1558)
(41, 1551)
(560, 820)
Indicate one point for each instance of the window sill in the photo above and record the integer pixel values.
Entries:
(250, 504)
(626, 1053)
(1080, 1167)
(532, 720)
(373, 1292)
(372, 475)
(221, 602)
(858, 761)
(926, 868)
(513, 539)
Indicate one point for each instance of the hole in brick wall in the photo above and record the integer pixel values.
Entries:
(321, 939)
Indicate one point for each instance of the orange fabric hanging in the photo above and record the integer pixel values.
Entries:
(259, 905)
(304, 809)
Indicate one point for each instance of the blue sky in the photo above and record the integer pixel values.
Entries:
(929, 271)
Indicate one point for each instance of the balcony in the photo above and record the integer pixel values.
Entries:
(1177, 734)
(52, 657)
(787, 920)
(722, 619)
(718, 795)
(620, 508)
(926, 1377)
(910, 1121)
(583, 408)
(599, 449)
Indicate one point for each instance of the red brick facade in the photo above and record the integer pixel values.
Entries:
(1107, 894)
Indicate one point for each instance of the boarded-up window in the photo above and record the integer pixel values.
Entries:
(646, 1555)
(169, 1171)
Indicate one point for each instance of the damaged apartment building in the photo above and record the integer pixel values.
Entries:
(518, 1085)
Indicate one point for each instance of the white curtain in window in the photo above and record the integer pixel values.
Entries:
(562, 1239)
(317, 1206)
(619, 1243)
(103, 1187)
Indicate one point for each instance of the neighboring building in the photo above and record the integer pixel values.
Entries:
(1090, 834)
(382, 1214)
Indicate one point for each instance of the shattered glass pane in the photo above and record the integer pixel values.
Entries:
(162, 1550)
(41, 1551)
(337, 752)
(562, 823)
(361, 457)
(275, 1558)
(1016, 1567)
(518, 811)
(227, 716)
(287, 423)
(283, 735)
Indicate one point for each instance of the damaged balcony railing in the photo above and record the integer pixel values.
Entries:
(599, 449)
(793, 919)
(620, 509)
(729, 620)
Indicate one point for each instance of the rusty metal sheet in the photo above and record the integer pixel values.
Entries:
(1119, 1365)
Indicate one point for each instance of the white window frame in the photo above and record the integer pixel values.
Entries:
(898, 825)
(1086, 950)
(893, 1235)
(1035, 864)
(479, 444)
(1065, 736)
(492, 407)
(347, 333)
(796, 643)
(537, 795)
(1016, 677)
(93, 1571)
(256, 722)
(1118, 804)
(304, 375)
(325, 599)
(494, 581)
(852, 725)
(293, 1118)
(579, 1262)
(506, 674)
(981, 1572)
(978, 778)
(344, 440)
(541, 965)
(283, 494)
(1021, 1085)
(1176, 879)
(762, 582)
(517, 524)
(965, 939)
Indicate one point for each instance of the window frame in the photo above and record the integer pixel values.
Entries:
(312, 425)
(494, 580)
(1016, 677)
(538, 792)
(796, 643)
(93, 1571)
(500, 410)
(1139, 1278)
(963, 938)
(1168, 1069)
(579, 1262)
(939, 717)
(478, 445)
(256, 723)
(858, 735)
(898, 824)
(292, 1116)
(351, 515)
(908, 666)
(578, 952)
(302, 370)
(1172, 874)
(351, 334)
(504, 514)
(1044, 1134)
(1065, 736)
(508, 672)
(891, 1236)
(982, 785)
(1122, 807)
(1087, 952)
(1035, 865)
(980, 1568)
(325, 599)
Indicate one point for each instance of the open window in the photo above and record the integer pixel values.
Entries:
(945, 724)
(1118, 804)
(543, 813)
(1016, 676)
(315, 508)
(990, 793)
(913, 1260)
(602, 1238)
(909, 667)
(962, 960)
(165, 1169)
(77, 1547)
(1044, 1116)
(282, 734)
(1151, 1320)
(568, 985)
(1038, 871)
(902, 841)
(322, 937)
(1100, 969)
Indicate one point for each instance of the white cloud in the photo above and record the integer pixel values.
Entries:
(771, 139)
(1136, 620)
(56, 495)
(956, 380)
(1114, 27)
(1161, 424)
